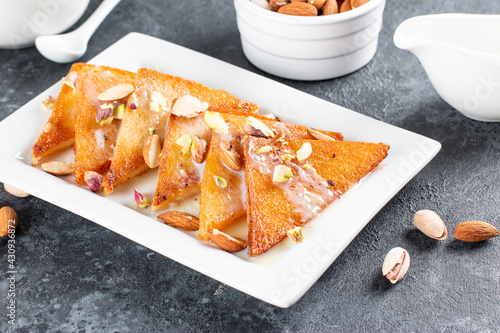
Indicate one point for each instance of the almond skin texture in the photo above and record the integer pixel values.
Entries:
(317, 3)
(331, 7)
(226, 242)
(298, 9)
(357, 3)
(346, 6)
(276, 4)
(475, 231)
(8, 220)
(180, 220)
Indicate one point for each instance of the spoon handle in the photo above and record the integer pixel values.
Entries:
(87, 29)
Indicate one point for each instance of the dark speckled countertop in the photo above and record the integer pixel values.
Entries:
(74, 275)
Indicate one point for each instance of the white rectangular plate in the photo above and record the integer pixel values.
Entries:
(280, 276)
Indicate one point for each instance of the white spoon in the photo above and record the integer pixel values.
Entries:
(71, 46)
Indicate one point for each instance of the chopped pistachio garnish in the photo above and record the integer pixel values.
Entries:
(220, 182)
(141, 200)
(215, 121)
(152, 130)
(119, 111)
(304, 152)
(185, 142)
(70, 80)
(287, 157)
(48, 103)
(306, 166)
(296, 235)
(281, 174)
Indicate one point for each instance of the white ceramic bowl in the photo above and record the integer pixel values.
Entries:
(309, 48)
(21, 21)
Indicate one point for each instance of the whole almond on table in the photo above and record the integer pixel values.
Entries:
(298, 9)
(475, 231)
(181, 220)
(331, 7)
(8, 220)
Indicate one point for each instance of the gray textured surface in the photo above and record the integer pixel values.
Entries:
(74, 275)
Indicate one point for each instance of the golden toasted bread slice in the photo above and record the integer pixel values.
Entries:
(299, 190)
(95, 140)
(152, 100)
(59, 131)
(221, 205)
(182, 162)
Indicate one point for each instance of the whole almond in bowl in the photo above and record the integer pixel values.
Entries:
(430, 224)
(475, 231)
(309, 44)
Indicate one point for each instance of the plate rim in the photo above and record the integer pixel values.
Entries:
(284, 297)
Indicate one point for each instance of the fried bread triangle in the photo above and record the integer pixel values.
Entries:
(219, 207)
(276, 207)
(94, 142)
(151, 103)
(59, 131)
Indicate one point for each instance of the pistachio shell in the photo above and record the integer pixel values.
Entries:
(396, 256)
(430, 224)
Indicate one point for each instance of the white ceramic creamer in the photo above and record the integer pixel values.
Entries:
(461, 55)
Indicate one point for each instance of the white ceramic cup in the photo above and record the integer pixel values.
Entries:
(309, 48)
(21, 21)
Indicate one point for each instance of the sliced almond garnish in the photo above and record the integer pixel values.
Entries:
(230, 158)
(188, 106)
(115, 93)
(281, 174)
(181, 220)
(185, 142)
(58, 168)
(264, 149)
(304, 152)
(255, 127)
(226, 242)
(152, 151)
(215, 121)
(319, 136)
